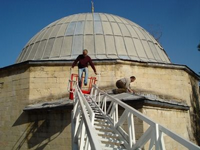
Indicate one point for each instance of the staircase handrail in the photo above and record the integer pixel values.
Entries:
(154, 133)
(82, 124)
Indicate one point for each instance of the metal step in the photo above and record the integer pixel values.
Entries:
(100, 120)
(109, 138)
(112, 141)
(99, 117)
(102, 124)
(103, 128)
(107, 134)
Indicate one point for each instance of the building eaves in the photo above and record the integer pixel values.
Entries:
(151, 101)
(57, 104)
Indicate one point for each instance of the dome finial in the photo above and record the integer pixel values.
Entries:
(92, 6)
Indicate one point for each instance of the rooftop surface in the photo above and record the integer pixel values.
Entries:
(125, 97)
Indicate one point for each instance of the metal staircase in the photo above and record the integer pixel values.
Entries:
(97, 125)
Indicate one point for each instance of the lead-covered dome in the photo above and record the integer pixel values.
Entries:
(105, 36)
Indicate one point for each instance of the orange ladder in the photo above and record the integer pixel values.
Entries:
(85, 90)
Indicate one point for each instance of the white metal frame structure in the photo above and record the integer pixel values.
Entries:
(83, 133)
(96, 124)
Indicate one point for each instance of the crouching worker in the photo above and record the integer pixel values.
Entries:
(83, 61)
(123, 85)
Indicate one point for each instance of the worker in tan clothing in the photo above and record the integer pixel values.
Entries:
(123, 85)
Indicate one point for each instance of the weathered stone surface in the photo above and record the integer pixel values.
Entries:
(50, 130)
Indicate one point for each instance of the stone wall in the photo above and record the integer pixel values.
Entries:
(34, 130)
(24, 84)
(175, 120)
(49, 129)
(48, 83)
(14, 92)
(168, 83)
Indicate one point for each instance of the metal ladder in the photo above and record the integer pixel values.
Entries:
(108, 135)
(97, 125)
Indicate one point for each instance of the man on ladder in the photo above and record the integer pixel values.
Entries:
(83, 61)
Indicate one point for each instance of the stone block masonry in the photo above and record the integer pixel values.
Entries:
(24, 84)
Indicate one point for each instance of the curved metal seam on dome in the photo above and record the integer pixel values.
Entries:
(141, 41)
(20, 56)
(160, 53)
(137, 55)
(141, 44)
(32, 45)
(155, 52)
(54, 23)
(71, 20)
(166, 55)
(63, 38)
(76, 34)
(155, 44)
(24, 51)
(94, 37)
(130, 38)
(107, 21)
(50, 55)
(104, 37)
(148, 44)
(95, 34)
(83, 38)
(72, 55)
(150, 47)
(109, 35)
(37, 51)
(133, 41)
(46, 44)
(38, 35)
(62, 21)
(159, 49)
(72, 16)
(123, 20)
(113, 37)
(36, 41)
(57, 37)
(124, 37)
(113, 22)
(27, 52)
(29, 44)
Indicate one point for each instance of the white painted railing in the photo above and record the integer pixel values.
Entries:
(84, 136)
(154, 133)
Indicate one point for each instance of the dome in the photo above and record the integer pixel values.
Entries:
(105, 36)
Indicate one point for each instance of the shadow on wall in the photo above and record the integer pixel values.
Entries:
(195, 113)
(42, 128)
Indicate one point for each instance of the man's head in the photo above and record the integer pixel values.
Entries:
(133, 78)
(85, 52)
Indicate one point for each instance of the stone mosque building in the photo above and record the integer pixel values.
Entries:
(119, 48)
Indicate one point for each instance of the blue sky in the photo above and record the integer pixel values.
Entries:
(177, 20)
